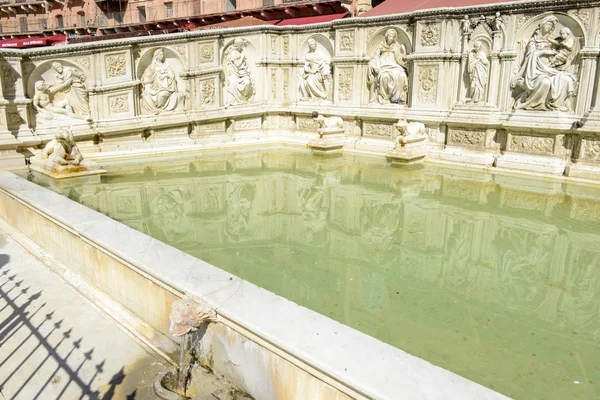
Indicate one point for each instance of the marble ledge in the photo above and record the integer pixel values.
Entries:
(333, 349)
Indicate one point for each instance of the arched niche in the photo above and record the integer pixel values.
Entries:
(238, 58)
(47, 73)
(564, 20)
(324, 46)
(171, 57)
(401, 35)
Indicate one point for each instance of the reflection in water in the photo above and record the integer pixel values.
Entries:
(496, 279)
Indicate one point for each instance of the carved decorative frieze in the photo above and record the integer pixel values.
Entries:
(371, 32)
(273, 45)
(583, 15)
(211, 127)
(9, 78)
(116, 65)
(307, 124)
(430, 35)
(531, 144)
(181, 50)
(465, 137)
(207, 92)
(347, 40)
(591, 149)
(274, 83)
(206, 53)
(345, 83)
(378, 129)
(286, 83)
(83, 63)
(286, 45)
(118, 104)
(521, 19)
(427, 86)
(248, 124)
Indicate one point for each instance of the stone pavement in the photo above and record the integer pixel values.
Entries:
(55, 344)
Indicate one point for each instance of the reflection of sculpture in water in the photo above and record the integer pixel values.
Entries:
(314, 205)
(478, 69)
(239, 84)
(579, 308)
(315, 80)
(167, 215)
(387, 76)
(239, 208)
(162, 88)
(523, 255)
(543, 82)
(378, 223)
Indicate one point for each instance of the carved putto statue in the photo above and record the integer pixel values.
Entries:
(478, 69)
(387, 75)
(66, 100)
(162, 89)
(544, 81)
(62, 150)
(315, 80)
(239, 84)
(466, 25)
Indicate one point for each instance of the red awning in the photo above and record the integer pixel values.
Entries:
(315, 19)
(33, 41)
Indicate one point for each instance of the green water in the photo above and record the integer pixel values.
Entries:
(496, 278)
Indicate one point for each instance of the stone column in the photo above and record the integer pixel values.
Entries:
(587, 70)
(494, 69)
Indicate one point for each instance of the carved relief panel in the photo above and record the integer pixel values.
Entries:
(427, 84)
(314, 78)
(466, 137)
(378, 130)
(429, 35)
(117, 66)
(120, 104)
(345, 41)
(208, 92)
(162, 89)
(345, 83)
(547, 65)
(206, 52)
(531, 144)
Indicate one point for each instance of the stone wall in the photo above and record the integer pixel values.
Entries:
(513, 85)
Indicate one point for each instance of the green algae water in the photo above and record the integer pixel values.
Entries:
(493, 277)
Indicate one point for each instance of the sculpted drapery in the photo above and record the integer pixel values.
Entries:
(161, 90)
(542, 82)
(387, 77)
(478, 68)
(240, 87)
(315, 80)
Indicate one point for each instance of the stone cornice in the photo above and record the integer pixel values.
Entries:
(201, 72)
(16, 102)
(114, 87)
(433, 56)
(350, 60)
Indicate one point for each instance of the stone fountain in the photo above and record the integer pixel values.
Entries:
(61, 158)
(191, 379)
(410, 143)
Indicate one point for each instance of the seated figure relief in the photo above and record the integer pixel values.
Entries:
(65, 100)
(315, 79)
(239, 83)
(387, 77)
(162, 88)
(545, 80)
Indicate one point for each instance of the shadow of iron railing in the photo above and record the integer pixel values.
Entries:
(18, 323)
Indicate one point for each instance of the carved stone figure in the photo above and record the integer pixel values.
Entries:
(240, 87)
(497, 23)
(466, 25)
(387, 75)
(62, 150)
(71, 83)
(543, 81)
(478, 69)
(50, 109)
(162, 88)
(187, 315)
(315, 80)
(328, 122)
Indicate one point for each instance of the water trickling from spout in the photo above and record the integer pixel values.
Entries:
(184, 363)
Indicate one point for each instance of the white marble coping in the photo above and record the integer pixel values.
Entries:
(360, 362)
